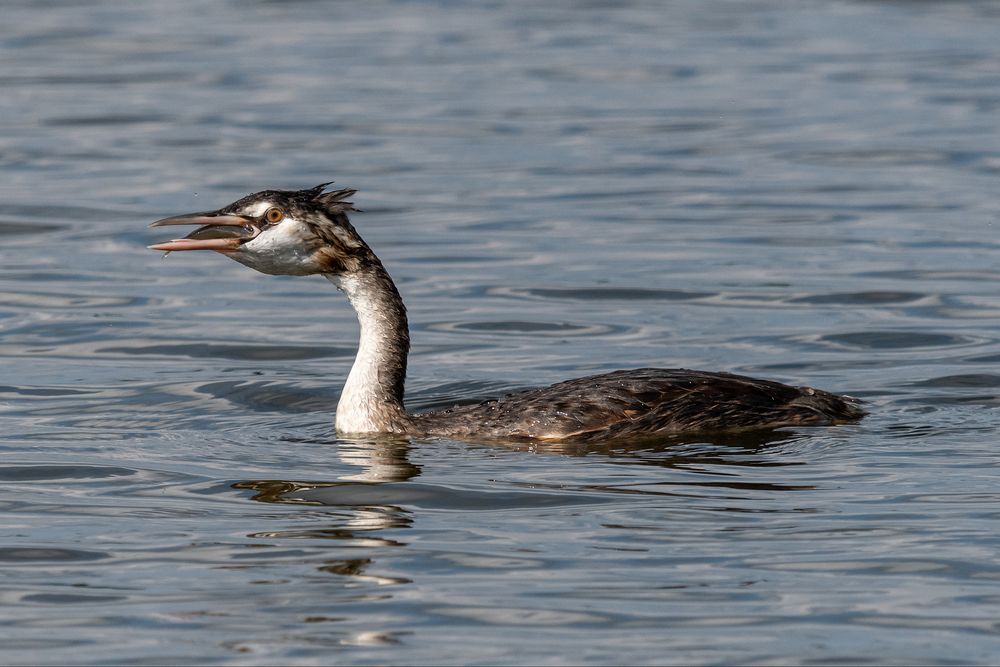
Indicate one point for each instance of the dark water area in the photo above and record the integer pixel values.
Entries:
(803, 191)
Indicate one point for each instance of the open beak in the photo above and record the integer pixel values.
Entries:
(220, 232)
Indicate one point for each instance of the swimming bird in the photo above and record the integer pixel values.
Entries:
(306, 232)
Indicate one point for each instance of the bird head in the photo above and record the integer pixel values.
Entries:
(279, 232)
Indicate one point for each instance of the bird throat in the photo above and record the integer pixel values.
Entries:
(372, 398)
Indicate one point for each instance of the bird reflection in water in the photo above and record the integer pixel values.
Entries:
(383, 486)
(350, 529)
(382, 460)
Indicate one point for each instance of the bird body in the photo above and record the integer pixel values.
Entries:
(638, 403)
(307, 232)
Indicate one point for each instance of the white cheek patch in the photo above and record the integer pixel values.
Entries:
(280, 249)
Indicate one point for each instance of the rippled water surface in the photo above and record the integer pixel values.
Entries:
(805, 191)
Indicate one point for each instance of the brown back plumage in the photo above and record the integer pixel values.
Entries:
(643, 402)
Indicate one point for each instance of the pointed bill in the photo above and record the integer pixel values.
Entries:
(220, 232)
(206, 218)
(219, 245)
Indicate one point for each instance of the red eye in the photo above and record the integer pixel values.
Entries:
(274, 214)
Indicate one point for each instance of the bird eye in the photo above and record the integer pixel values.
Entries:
(274, 214)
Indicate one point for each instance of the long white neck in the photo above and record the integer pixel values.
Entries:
(372, 399)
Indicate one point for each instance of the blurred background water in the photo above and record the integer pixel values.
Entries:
(805, 191)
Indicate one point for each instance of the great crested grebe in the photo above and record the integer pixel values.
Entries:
(304, 232)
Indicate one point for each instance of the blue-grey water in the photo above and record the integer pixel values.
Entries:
(804, 191)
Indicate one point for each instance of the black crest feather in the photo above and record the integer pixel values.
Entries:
(334, 201)
(317, 190)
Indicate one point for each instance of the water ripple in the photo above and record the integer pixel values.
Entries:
(518, 328)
